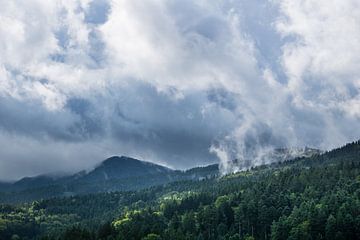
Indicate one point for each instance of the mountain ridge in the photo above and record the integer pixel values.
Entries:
(116, 173)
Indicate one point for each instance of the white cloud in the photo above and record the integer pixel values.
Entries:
(25, 38)
(169, 80)
(167, 51)
(322, 63)
(29, 38)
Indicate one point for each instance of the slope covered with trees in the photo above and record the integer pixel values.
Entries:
(306, 198)
(113, 174)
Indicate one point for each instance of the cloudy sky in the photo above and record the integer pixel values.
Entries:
(176, 82)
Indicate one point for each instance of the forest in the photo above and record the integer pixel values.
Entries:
(316, 197)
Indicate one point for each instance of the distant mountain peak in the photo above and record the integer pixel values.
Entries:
(122, 167)
(126, 161)
(118, 160)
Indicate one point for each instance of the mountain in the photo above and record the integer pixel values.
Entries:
(200, 173)
(124, 167)
(119, 174)
(30, 182)
(113, 174)
(5, 186)
(309, 197)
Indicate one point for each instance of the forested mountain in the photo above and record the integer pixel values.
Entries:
(124, 167)
(315, 197)
(118, 174)
(113, 174)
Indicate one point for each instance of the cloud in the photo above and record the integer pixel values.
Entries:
(321, 63)
(180, 83)
(317, 89)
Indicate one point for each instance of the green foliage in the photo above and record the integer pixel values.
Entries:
(152, 236)
(77, 233)
(139, 224)
(307, 198)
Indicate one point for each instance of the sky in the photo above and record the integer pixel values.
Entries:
(178, 82)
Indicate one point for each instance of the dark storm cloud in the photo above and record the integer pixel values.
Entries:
(76, 122)
(138, 116)
(30, 119)
(175, 130)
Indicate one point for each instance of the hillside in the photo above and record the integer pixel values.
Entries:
(124, 167)
(305, 198)
(113, 174)
(118, 174)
